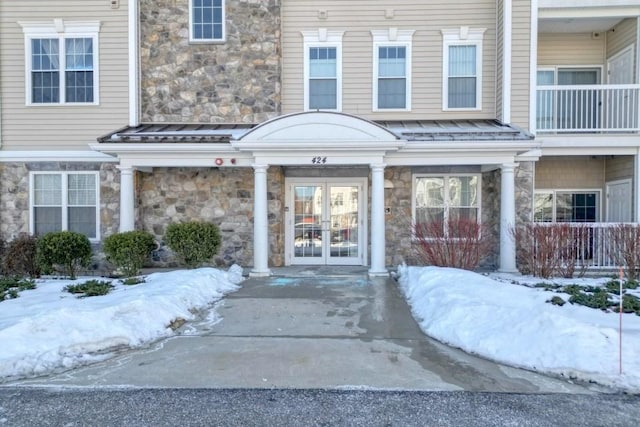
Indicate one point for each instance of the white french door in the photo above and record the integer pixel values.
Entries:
(325, 221)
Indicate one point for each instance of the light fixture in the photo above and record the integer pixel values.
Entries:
(219, 161)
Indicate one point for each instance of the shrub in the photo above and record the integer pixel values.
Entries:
(90, 288)
(64, 251)
(10, 286)
(461, 245)
(133, 281)
(20, 257)
(194, 242)
(625, 248)
(128, 251)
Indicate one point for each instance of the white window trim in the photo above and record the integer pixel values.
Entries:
(392, 37)
(60, 29)
(463, 36)
(445, 176)
(555, 191)
(558, 68)
(223, 39)
(65, 199)
(323, 38)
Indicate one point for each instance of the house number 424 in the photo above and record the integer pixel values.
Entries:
(319, 160)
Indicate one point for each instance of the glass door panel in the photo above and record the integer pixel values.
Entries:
(344, 219)
(308, 221)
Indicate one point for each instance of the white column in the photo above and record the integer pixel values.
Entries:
(127, 212)
(260, 223)
(507, 219)
(378, 244)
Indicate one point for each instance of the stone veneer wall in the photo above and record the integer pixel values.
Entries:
(14, 194)
(234, 81)
(223, 196)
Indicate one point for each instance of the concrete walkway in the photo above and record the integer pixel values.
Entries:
(307, 328)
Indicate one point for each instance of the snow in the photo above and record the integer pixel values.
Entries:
(504, 319)
(47, 329)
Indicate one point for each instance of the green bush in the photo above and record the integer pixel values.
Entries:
(129, 281)
(194, 242)
(90, 288)
(10, 286)
(64, 251)
(19, 257)
(128, 251)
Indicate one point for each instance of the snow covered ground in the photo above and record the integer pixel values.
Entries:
(513, 324)
(48, 328)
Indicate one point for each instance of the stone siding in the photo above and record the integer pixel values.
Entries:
(14, 194)
(223, 196)
(234, 81)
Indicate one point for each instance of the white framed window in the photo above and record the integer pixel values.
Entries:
(440, 199)
(61, 62)
(62, 201)
(462, 68)
(392, 69)
(566, 205)
(323, 70)
(207, 21)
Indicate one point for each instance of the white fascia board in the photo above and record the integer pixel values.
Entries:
(578, 142)
(469, 147)
(319, 146)
(55, 156)
(589, 151)
(448, 159)
(588, 12)
(150, 149)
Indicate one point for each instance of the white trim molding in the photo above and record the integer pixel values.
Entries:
(327, 39)
(463, 36)
(392, 37)
(212, 40)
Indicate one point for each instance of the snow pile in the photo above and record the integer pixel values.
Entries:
(47, 328)
(514, 325)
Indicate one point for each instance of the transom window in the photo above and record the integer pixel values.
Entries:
(323, 70)
(64, 201)
(440, 200)
(462, 69)
(392, 69)
(566, 206)
(207, 20)
(61, 62)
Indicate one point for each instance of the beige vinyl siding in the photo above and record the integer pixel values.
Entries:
(574, 173)
(568, 49)
(357, 19)
(622, 36)
(62, 127)
(521, 63)
(619, 167)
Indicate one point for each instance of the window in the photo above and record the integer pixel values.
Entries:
(392, 69)
(443, 199)
(206, 20)
(462, 69)
(65, 201)
(323, 70)
(61, 62)
(566, 206)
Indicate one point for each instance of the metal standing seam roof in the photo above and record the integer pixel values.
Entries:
(410, 130)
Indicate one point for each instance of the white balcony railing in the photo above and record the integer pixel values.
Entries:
(595, 245)
(588, 108)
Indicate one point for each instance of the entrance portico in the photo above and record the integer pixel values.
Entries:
(325, 160)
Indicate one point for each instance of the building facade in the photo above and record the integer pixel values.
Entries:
(318, 132)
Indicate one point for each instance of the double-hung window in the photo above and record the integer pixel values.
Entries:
(442, 202)
(206, 20)
(61, 62)
(65, 201)
(392, 69)
(462, 69)
(323, 70)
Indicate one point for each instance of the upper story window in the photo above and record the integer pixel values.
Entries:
(462, 69)
(323, 70)
(206, 20)
(392, 69)
(61, 62)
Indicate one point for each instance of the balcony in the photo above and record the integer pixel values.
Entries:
(588, 108)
